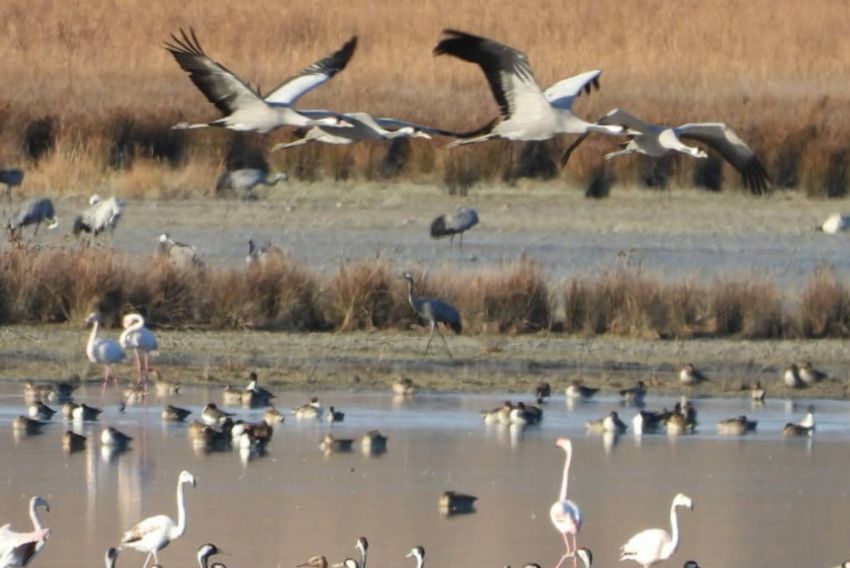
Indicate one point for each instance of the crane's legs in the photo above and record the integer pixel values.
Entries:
(430, 337)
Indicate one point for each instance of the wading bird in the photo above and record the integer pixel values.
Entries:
(12, 177)
(419, 554)
(102, 215)
(363, 546)
(652, 546)
(243, 107)
(155, 533)
(18, 549)
(457, 223)
(244, 180)
(656, 140)
(105, 352)
(138, 338)
(564, 513)
(207, 551)
(435, 311)
(179, 254)
(526, 111)
(34, 212)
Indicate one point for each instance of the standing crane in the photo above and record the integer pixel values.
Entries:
(101, 215)
(435, 311)
(34, 212)
(457, 223)
(12, 177)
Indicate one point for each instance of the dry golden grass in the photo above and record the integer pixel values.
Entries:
(57, 285)
(772, 68)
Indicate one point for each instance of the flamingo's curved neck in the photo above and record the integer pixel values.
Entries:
(92, 337)
(410, 293)
(566, 474)
(36, 522)
(181, 513)
(674, 524)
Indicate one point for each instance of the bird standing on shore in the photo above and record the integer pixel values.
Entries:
(652, 546)
(435, 311)
(33, 212)
(457, 223)
(101, 215)
(106, 352)
(138, 338)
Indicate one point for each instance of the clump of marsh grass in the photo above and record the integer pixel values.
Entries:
(364, 295)
(825, 306)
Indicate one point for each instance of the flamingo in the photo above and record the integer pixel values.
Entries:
(18, 549)
(565, 514)
(155, 533)
(107, 352)
(138, 338)
(363, 546)
(652, 546)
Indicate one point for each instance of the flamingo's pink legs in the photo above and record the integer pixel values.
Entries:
(567, 553)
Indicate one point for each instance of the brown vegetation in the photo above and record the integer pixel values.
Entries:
(59, 285)
(94, 93)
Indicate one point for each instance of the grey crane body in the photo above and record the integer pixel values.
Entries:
(180, 255)
(102, 215)
(527, 112)
(457, 223)
(657, 140)
(12, 177)
(33, 212)
(243, 107)
(244, 180)
(435, 311)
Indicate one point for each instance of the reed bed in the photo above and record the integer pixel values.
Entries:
(64, 285)
(95, 93)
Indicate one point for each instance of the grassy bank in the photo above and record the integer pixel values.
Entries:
(64, 284)
(95, 92)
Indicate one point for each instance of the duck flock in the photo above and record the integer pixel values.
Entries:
(217, 429)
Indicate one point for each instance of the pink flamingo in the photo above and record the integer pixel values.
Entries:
(565, 515)
(18, 549)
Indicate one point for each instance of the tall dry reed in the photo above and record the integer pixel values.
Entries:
(79, 68)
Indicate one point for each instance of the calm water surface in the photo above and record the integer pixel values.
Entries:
(759, 500)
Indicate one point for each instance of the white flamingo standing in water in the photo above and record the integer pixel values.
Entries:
(565, 514)
(652, 546)
(107, 352)
(138, 338)
(18, 549)
(155, 533)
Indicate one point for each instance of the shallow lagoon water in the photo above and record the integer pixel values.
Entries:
(759, 500)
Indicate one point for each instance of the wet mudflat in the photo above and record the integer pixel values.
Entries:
(759, 500)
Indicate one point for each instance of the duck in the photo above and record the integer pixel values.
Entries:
(212, 415)
(677, 424)
(758, 392)
(577, 391)
(73, 442)
(40, 411)
(24, 425)
(331, 444)
(311, 410)
(689, 375)
(610, 423)
(403, 387)
(173, 413)
(373, 443)
(34, 392)
(273, 416)
(135, 394)
(806, 427)
(542, 392)
(85, 413)
(62, 392)
(255, 395)
(451, 503)
(809, 375)
(163, 388)
(231, 396)
(645, 422)
(334, 415)
(499, 415)
(523, 414)
(791, 377)
(115, 439)
(635, 394)
(736, 426)
(314, 562)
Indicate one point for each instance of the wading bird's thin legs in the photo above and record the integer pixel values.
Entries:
(567, 553)
(446, 343)
(430, 336)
